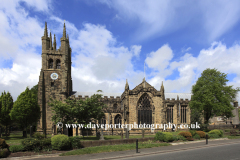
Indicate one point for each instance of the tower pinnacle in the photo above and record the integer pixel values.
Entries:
(50, 41)
(45, 30)
(54, 43)
(64, 30)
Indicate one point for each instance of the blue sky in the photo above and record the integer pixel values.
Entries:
(111, 40)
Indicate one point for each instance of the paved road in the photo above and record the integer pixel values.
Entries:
(226, 152)
(216, 149)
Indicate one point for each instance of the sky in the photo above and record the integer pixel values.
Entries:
(111, 41)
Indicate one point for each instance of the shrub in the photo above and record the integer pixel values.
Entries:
(159, 136)
(196, 136)
(233, 132)
(190, 139)
(201, 134)
(4, 153)
(175, 138)
(193, 132)
(45, 143)
(227, 130)
(221, 132)
(3, 144)
(180, 137)
(215, 131)
(16, 148)
(168, 137)
(213, 135)
(185, 134)
(30, 144)
(60, 142)
(75, 142)
(38, 135)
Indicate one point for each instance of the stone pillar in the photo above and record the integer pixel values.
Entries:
(127, 133)
(101, 136)
(143, 133)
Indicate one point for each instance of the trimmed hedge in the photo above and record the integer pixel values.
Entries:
(30, 144)
(75, 142)
(201, 134)
(164, 137)
(159, 136)
(216, 131)
(212, 135)
(60, 142)
(185, 134)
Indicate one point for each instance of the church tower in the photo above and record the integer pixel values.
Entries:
(55, 79)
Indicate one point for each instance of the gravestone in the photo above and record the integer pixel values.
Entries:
(101, 136)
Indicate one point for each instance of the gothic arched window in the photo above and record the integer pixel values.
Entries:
(117, 121)
(50, 63)
(144, 110)
(58, 64)
(103, 120)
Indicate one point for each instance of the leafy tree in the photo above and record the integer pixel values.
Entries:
(77, 111)
(26, 110)
(6, 104)
(211, 96)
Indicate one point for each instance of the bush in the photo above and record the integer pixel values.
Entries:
(180, 137)
(215, 131)
(16, 148)
(227, 130)
(201, 134)
(213, 135)
(221, 132)
(75, 142)
(159, 136)
(30, 144)
(196, 136)
(193, 132)
(38, 135)
(233, 132)
(190, 139)
(60, 142)
(45, 143)
(4, 153)
(3, 144)
(185, 134)
(168, 137)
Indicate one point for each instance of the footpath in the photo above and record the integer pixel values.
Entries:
(175, 147)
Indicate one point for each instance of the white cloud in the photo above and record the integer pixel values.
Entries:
(156, 18)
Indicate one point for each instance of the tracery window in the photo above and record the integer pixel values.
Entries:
(58, 64)
(170, 113)
(183, 114)
(144, 110)
(117, 120)
(103, 120)
(50, 63)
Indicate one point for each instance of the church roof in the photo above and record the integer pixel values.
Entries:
(167, 95)
(89, 94)
(181, 95)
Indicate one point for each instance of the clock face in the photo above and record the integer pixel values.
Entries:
(54, 76)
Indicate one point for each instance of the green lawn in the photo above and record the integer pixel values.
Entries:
(112, 148)
(16, 138)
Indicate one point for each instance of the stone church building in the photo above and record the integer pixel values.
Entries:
(142, 104)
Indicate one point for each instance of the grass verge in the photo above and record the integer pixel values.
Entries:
(113, 148)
